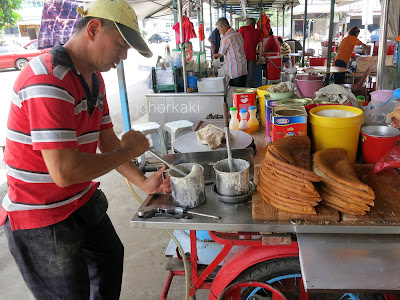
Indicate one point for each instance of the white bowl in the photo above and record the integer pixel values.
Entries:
(281, 95)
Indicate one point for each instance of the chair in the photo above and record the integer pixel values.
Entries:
(156, 132)
(357, 88)
(175, 129)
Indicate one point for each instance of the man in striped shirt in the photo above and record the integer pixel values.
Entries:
(54, 216)
(231, 48)
(285, 51)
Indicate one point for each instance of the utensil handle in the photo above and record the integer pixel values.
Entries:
(203, 215)
(166, 163)
(226, 114)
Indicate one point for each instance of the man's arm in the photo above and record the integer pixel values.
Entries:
(108, 142)
(213, 49)
(260, 53)
(69, 166)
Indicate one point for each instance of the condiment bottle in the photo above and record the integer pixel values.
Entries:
(234, 122)
(243, 124)
(253, 122)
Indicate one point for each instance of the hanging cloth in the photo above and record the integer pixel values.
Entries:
(265, 25)
(188, 30)
(201, 33)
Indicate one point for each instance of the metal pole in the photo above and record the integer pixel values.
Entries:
(224, 9)
(291, 22)
(174, 6)
(211, 23)
(126, 119)
(382, 44)
(330, 39)
(277, 23)
(182, 46)
(283, 22)
(304, 32)
(260, 17)
(201, 21)
(231, 17)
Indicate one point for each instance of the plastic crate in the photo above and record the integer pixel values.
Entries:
(165, 79)
(166, 88)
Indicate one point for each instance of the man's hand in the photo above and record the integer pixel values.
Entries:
(395, 116)
(259, 61)
(217, 55)
(157, 184)
(135, 142)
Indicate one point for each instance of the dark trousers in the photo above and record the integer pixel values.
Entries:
(238, 81)
(251, 73)
(340, 77)
(69, 260)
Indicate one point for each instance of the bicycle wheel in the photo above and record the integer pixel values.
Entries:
(284, 275)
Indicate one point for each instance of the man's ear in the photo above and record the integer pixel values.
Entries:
(92, 28)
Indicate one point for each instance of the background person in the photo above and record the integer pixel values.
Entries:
(253, 44)
(54, 216)
(345, 50)
(231, 48)
(272, 44)
(285, 51)
(215, 40)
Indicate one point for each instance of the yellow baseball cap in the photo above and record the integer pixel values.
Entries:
(124, 18)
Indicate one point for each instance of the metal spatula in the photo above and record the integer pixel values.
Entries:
(172, 167)
(228, 146)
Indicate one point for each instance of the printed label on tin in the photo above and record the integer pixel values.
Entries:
(288, 126)
(269, 104)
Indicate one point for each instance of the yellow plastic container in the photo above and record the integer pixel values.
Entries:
(261, 92)
(336, 132)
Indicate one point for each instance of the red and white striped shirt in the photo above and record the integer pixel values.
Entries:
(232, 48)
(49, 110)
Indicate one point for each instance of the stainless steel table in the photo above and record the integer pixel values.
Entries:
(237, 217)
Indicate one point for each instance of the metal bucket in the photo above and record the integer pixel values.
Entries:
(232, 183)
(187, 191)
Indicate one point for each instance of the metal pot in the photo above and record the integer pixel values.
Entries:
(187, 191)
(232, 183)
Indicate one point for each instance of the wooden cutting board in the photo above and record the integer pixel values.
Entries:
(386, 185)
(266, 212)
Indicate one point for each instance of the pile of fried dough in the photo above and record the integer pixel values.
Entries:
(286, 179)
(340, 187)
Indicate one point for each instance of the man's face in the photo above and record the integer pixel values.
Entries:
(110, 48)
(221, 30)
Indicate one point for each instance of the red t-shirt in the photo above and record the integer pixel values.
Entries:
(49, 110)
(272, 45)
(251, 37)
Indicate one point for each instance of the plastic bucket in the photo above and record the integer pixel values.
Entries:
(274, 65)
(192, 82)
(336, 132)
(261, 93)
(307, 85)
(377, 141)
(381, 96)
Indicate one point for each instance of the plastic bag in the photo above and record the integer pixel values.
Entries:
(376, 114)
(389, 160)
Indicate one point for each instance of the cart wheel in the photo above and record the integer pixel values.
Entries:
(232, 292)
(284, 275)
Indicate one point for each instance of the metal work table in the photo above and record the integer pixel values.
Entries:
(237, 217)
